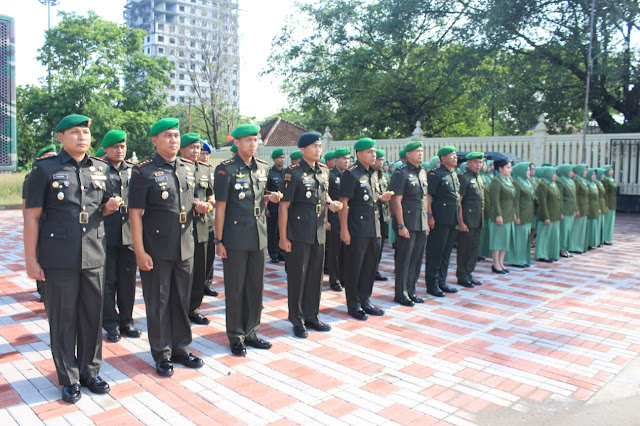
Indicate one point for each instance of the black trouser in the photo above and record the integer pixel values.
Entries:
(211, 255)
(198, 277)
(334, 252)
(439, 245)
(166, 291)
(360, 271)
(273, 235)
(72, 298)
(384, 234)
(243, 286)
(408, 261)
(119, 287)
(467, 253)
(304, 281)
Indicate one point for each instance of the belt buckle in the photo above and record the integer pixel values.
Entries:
(256, 211)
(124, 209)
(83, 218)
(318, 209)
(183, 217)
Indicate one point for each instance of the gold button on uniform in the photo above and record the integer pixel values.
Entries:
(183, 226)
(182, 207)
(157, 231)
(84, 208)
(84, 229)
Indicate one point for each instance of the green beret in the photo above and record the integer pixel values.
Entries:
(245, 130)
(113, 137)
(309, 138)
(341, 152)
(475, 156)
(545, 165)
(188, 139)
(403, 153)
(100, 152)
(296, 155)
(446, 150)
(279, 152)
(364, 143)
(164, 124)
(412, 145)
(48, 148)
(329, 156)
(234, 148)
(73, 120)
(380, 153)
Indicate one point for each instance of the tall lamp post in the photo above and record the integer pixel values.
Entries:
(49, 3)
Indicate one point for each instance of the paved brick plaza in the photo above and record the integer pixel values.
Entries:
(549, 334)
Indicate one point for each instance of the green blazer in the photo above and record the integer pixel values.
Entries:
(593, 202)
(549, 202)
(582, 196)
(502, 200)
(568, 190)
(612, 193)
(524, 202)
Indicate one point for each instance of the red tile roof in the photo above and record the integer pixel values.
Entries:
(278, 132)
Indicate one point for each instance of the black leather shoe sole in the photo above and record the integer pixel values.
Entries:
(359, 315)
(130, 332)
(448, 289)
(372, 310)
(210, 292)
(113, 336)
(318, 326)
(416, 299)
(381, 278)
(404, 301)
(258, 344)
(436, 293)
(164, 368)
(467, 284)
(239, 349)
(96, 385)
(71, 394)
(189, 361)
(300, 331)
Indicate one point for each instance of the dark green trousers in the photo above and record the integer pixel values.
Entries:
(467, 253)
(360, 270)
(119, 287)
(334, 255)
(166, 291)
(211, 255)
(243, 286)
(198, 277)
(73, 298)
(304, 281)
(408, 260)
(439, 245)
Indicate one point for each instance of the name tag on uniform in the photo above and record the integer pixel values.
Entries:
(412, 179)
(60, 176)
(262, 179)
(473, 181)
(363, 185)
(161, 179)
(307, 182)
(241, 180)
(275, 179)
(98, 177)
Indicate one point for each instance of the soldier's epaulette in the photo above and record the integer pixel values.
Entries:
(97, 158)
(187, 161)
(294, 166)
(431, 172)
(403, 166)
(130, 162)
(323, 165)
(205, 164)
(261, 161)
(228, 161)
(46, 158)
(353, 167)
(144, 163)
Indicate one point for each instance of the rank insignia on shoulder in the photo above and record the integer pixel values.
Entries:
(353, 167)
(323, 165)
(260, 161)
(228, 161)
(205, 164)
(187, 161)
(144, 163)
(294, 166)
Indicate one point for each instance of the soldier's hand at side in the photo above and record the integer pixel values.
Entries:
(463, 227)
(145, 263)
(112, 205)
(404, 233)
(202, 207)
(547, 222)
(267, 213)
(577, 214)
(327, 225)
(561, 216)
(335, 206)
(34, 270)
(499, 220)
(386, 196)
(221, 250)
(285, 244)
(345, 236)
(431, 222)
(517, 221)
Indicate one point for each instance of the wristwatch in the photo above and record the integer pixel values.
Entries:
(400, 226)
(217, 241)
(429, 215)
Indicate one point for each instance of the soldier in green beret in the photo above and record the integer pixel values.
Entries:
(549, 216)
(66, 201)
(303, 233)
(295, 157)
(411, 209)
(470, 219)
(335, 248)
(569, 206)
(520, 255)
(329, 160)
(161, 209)
(101, 153)
(233, 149)
(241, 228)
(120, 264)
(577, 239)
(274, 178)
(383, 207)
(403, 156)
(611, 197)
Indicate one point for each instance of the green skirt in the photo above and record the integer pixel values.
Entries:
(483, 246)
(609, 225)
(565, 232)
(578, 237)
(601, 226)
(534, 224)
(521, 253)
(501, 236)
(593, 232)
(548, 240)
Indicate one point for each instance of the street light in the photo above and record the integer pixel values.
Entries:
(49, 3)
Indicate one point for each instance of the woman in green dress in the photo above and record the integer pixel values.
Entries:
(549, 216)
(602, 204)
(486, 175)
(593, 227)
(578, 237)
(612, 203)
(501, 197)
(569, 206)
(520, 256)
(536, 176)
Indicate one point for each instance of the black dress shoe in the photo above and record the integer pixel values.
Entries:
(130, 331)
(526, 265)
(318, 325)
(300, 331)
(466, 283)
(164, 368)
(416, 299)
(113, 335)
(497, 271)
(275, 260)
(379, 277)
(325, 270)
(239, 349)
(358, 314)
(545, 260)
(447, 289)
(590, 248)
(506, 270)
(577, 252)
(566, 254)
(71, 393)
(608, 243)
(519, 266)
(188, 360)
(208, 291)
(336, 287)
(435, 292)
(199, 319)
(404, 301)
(475, 282)
(372, 310)
(258, 343)
(95, 385)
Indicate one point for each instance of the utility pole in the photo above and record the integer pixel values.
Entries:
(589, 70)
(49, 3)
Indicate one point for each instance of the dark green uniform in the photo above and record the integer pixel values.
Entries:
(211, 247)
(120, 263)
(410, 182)
(241, 186)
(306, 188)
(24, 197)
(274, 177)
(203, 191)
(385, 215)
(70, 251)
(165, 191)
(445, 199)
(472, 193)
(361, 187)
(334, 244)
(549, 208)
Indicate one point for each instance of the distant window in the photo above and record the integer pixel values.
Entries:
(160, 27)
(181, 76)
(173, 98)
(172, 75)
(181, 8)
(160, 39)
(172, 40)
(181, 88)
(181, 98)
(160, 50)
(192, 44)
(148, 39)
(181, 54)
(182, 19)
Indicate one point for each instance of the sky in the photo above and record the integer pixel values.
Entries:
(260, 21)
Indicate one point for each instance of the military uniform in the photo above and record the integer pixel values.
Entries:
(71, 253)
(203, 191)
(472, 193)
(445, 202)
(409, 182)
(334, 245)
(362, 189)
(244, 236)
(385, 214)
(274, 177)
(120, 263)
(305, 187)
(211, 247)
(164, 190)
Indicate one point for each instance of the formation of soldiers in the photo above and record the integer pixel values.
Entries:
(89, 223)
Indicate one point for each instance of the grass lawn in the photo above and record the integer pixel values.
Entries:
(11, 187)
